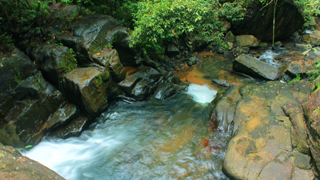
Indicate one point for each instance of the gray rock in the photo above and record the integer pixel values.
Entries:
(255, 68)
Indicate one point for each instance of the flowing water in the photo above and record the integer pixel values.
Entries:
(153, 139)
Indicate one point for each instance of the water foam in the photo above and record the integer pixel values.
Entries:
(201, 94)
(268, 57)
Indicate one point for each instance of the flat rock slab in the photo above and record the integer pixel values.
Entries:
(255, 68)
(268, 129)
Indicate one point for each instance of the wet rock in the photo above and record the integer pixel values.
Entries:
(14, 69)
(73, 128)
(241, 50)
(32, 102)
(54, 61)
(193, 60)
(246, 41)
(172, 50)
(16, 166)
(253, 67)
(88, 35)
(89, 88)
(260, 22)
(296, 68)
(109, 58)
(313, 39)
(269, 133)
(141, 83)
(119, 38)
(64, 114)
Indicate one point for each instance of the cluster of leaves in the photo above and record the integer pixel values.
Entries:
(309, 9)
(16, 17)
(161, 21)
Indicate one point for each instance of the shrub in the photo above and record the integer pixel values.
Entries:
(161, 21)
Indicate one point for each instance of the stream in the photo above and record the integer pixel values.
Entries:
(152, 139)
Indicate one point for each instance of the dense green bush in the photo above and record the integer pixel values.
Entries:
(161, 21)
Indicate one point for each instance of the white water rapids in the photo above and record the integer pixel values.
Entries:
(153, 139)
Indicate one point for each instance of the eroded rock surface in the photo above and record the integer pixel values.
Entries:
(270, 137)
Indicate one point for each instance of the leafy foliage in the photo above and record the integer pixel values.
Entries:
(161, 21)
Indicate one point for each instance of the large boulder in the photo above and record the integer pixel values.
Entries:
(255, 68)
(54, 61)
(269, 134)
(109, 58)
(259, 22)
(89, 88)
(88, 35)
(13, 165)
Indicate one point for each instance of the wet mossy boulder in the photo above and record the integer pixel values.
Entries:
(269, 133)
(14, 68)
(89, 88)
(88, 35)
(109, 58)
(259, 22)
(13, 165)
(54, 61)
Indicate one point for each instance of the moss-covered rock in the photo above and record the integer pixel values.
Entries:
(89, 88)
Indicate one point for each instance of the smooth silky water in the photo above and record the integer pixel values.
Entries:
(153, 139)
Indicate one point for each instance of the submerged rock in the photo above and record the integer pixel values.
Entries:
(13, 165)
(255, 68)
(270, 137)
